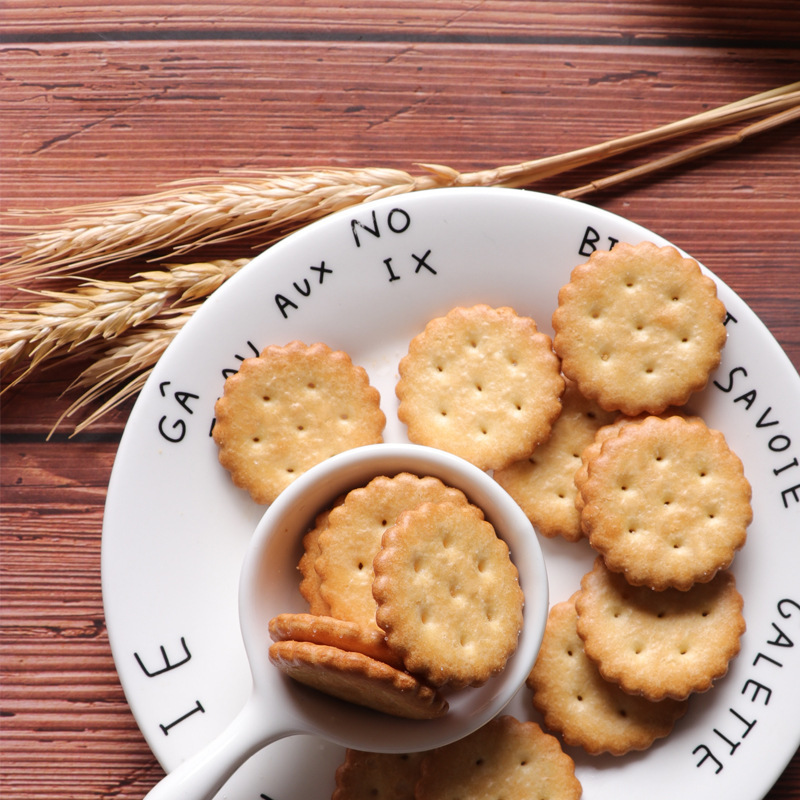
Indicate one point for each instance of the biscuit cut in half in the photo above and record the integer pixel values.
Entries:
(448, 595)
(584, 708)
(639, 328)
(505, 758)
(358, 679)
(482, 383)
(291, 408)
(659, 644)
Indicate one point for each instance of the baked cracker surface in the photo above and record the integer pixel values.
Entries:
(482, 383)
(639, 328)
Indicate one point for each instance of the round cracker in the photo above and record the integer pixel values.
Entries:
(353, 536)
(482, 383)
(310, 583)
(289, 409)
(505, 758)
(639, 328)
(543, 483)
(379, 776)
(580, 705)
(448, 595)
(659, 644)
(666, 502)
(358, 679)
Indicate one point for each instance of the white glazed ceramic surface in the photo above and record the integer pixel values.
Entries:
(367, 280)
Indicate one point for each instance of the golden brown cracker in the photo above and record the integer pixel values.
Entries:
(448, 595)
(482, 383)
(606, 432)
(353, 535)
(377, 776)
(639, 328)
(664, 644)
(505, 759)
(290, 408)
(580, 705)
(666, 502)
(339, 633)
(310, 583)
(543, 484)
(358, 679)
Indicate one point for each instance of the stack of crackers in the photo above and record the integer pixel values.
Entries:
(410, 591)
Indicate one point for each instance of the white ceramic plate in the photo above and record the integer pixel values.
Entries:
(366, 281)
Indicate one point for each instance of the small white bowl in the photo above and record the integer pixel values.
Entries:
(270, 581)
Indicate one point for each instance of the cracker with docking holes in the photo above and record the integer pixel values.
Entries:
(358, 679)
(594, 447)
(377, 776)
(290, 408)
(639, 328)
(353, 536)
(339, 633)
(505, 758)
(580, 705)
(482, 383)
(659, 644)
(448, 595)
(666, 502)
(543, 483)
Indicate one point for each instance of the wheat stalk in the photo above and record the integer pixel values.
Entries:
(688, 154)
(128, 325)
(101, 310)
(276, 202)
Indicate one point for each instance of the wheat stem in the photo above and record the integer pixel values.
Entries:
(686, 155)
(127, 364)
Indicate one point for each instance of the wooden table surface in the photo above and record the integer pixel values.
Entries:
(101, 100)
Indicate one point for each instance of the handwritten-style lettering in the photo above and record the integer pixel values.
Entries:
(397, 220)
(590, 239)
(198, 708)
(168, 665)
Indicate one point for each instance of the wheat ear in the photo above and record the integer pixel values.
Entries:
(97, 310)
(123, 368)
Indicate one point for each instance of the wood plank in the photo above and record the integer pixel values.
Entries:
(279, 103)
(125, 97)
(770, 22)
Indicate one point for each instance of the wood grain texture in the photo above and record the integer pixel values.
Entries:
(100, 100)
(771, 22)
